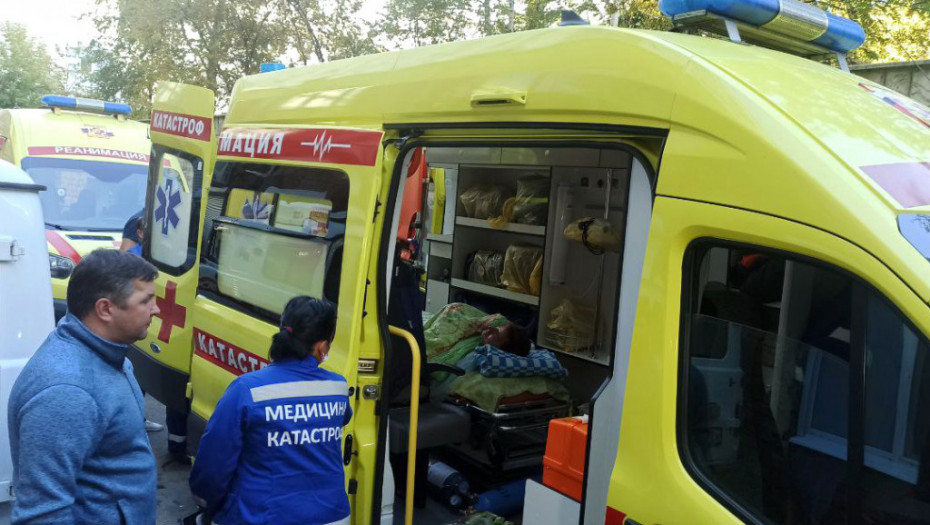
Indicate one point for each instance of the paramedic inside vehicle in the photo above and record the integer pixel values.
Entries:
(272, 451)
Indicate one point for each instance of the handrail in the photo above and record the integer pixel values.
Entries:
(414, 411)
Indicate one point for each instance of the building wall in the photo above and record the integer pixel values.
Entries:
(909, 78)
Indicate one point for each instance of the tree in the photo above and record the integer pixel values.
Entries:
(415, 23)
(26, 70)
(327, 30)
(895, 30)
(211, 43)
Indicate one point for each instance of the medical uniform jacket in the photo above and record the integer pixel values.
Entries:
(272, 452)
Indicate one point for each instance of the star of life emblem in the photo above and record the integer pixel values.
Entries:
(168, 200)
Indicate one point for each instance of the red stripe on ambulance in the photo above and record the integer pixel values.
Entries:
(225, 355)
(332, 146)
(65, 249)
(78, 151)
(187, 126)
(615, 517)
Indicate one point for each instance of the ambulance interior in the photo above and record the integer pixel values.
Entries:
(506, 271)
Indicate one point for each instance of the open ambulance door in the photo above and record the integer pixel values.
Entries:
(181, 163)
(600, 173)
(290, 211)
(607, 404)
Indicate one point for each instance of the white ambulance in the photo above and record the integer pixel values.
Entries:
(26, 315)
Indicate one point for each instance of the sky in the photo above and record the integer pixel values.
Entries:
(55, 23)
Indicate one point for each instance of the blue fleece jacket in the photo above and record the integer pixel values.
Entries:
(77, 434)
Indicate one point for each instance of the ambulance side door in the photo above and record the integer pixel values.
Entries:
(289, 212)
(183, 155)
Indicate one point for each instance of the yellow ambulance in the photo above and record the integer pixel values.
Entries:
(94, 164)
(726, 247)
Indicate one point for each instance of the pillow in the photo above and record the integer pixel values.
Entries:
(494, 362)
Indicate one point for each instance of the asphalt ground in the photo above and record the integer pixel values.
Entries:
(174, 496)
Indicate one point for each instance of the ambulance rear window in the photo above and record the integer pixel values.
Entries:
(273, 232)
(916, 229)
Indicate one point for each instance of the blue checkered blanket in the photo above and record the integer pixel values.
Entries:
(494, 362)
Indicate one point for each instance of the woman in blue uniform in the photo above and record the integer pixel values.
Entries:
(271, 452)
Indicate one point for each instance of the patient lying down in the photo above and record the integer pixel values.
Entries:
(499, 359)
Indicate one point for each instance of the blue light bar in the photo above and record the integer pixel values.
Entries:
(268, 67)
(86, 104)
(787, 17)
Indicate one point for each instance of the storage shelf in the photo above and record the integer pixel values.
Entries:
(582, 354)
(439, 238)
(495, 292)
(511, 227)
(585, 355)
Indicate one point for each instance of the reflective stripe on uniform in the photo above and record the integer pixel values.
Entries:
(343, 521)
(176, 438)
(299, 389)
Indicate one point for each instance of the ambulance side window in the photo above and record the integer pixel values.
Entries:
(768, 343)
(272, 232)
(172, 211)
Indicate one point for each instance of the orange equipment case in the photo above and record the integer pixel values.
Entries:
(563, 464)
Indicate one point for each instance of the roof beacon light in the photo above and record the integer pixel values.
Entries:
(268, 67)
(86, 104)
(787, 17)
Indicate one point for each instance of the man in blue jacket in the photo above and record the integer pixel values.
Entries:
(272, 450)
(80, 451)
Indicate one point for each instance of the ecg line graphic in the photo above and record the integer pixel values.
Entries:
(322, 144)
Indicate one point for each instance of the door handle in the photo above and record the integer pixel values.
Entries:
(498, 98)
(347, 450)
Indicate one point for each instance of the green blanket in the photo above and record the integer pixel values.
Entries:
(486, 392)
(452, 334)
(455, 331)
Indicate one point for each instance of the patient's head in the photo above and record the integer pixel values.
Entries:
(509, 337)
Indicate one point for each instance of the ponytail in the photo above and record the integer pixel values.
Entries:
(304, 322)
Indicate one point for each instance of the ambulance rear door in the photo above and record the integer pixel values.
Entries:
(289, 211)
(183, 155)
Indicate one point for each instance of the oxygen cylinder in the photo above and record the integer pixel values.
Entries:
(447, 484)
(505, 500)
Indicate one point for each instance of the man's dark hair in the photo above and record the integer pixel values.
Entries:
(304, 322)
(106, 273)
(518, 343)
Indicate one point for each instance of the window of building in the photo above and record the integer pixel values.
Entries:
(769, 343)
(273, 232)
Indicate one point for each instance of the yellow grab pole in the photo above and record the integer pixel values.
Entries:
(414, 410)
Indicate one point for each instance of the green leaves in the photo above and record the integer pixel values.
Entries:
(213, 43)
(26, 70)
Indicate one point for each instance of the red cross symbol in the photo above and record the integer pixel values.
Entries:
(172, 314)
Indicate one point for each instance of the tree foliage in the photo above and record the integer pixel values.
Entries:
(214, 42)
(26, 69)
(211, 43)
(896, 30)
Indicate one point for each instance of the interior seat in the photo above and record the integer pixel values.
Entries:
(438, 423)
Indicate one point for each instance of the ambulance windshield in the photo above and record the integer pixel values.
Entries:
(916, 229)
(88, 195)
